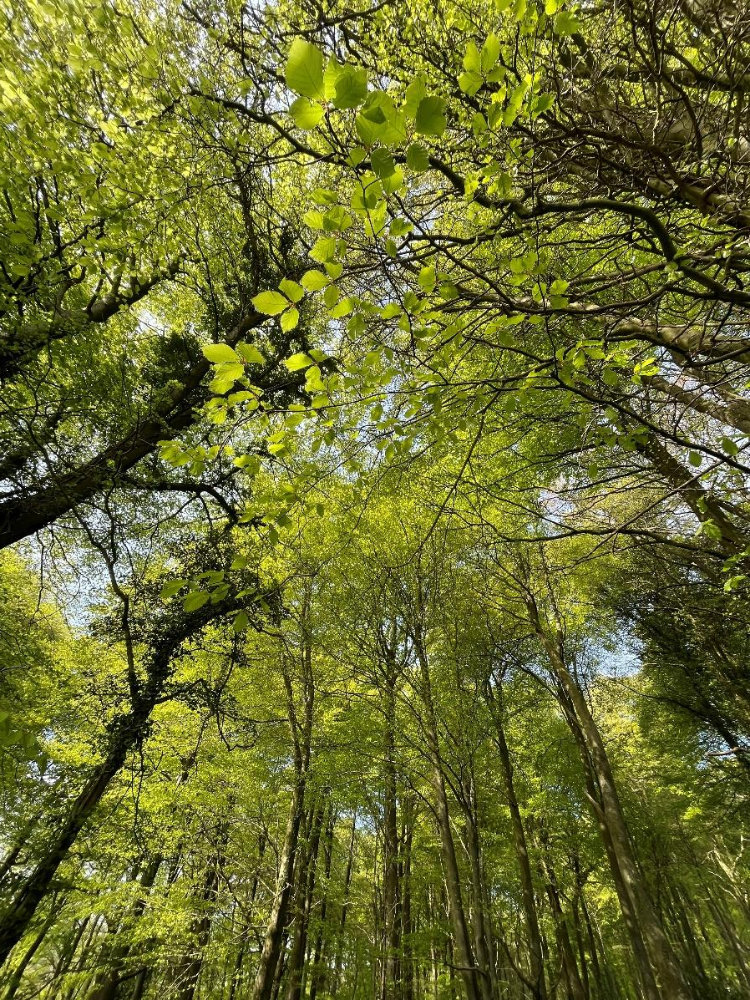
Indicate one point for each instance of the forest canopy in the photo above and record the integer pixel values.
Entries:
(374, 500)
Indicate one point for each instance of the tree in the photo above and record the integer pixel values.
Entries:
(373, 501)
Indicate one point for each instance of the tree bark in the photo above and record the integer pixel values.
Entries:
(536, 957)
(480, 923)
(23, 515)
(306, 889)
(318, 976)
(110, 975)
(17, 975)
(391, 924)
(464, 952)
(266, 977)
(122, 735)
(187, 972)
(344, 908)
(407, 928)
(628, 879)
(565, 948)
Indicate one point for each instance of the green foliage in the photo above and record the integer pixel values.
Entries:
(304, 69)
(374, 426)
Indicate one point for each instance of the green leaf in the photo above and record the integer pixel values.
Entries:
(291, 289)
(472, 59)
(711, 530)
(430, 119)
(298, 362)
(229, 372)
(337, 220)
(195, 600)
(400, 227)
(356, 155)
(391, 310)
(324, 196)
(251, 354)
(514, 104)
(351, 87)
(239, 562)
(314, 381)
(694, 458)
(380, 120)
(331, 74)
(240, 622)
(270, 303)
(323, 249)
(427, 279)
(417, 158)
(367, 130)
(490, 53)
(343, 308)
(566, 23)
(382, 162)
(729, 446)
(541, 104)
(304, 69)
(289, 320)
(416, 90)
(218, 353)
(479, 124)
(242, 396)
(306, 113)
(171, 588)
(314, 219)
(470, 82)
(331, 295)
(314, 280)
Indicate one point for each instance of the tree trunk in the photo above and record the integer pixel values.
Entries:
(671, 983)
(593, 954)
(11, 857)
(407, 975)
(123, 734)
(480, 924)
(727, 931)
(457, 914)
(93, 928)
(67, 954)
(268, 976)
(239, 958)
(109, 977)
(17, 975)
(23, 907)
(306, 891)
(188, 969)
(269, 956)
(318, 976)
(536, 963)
(581, 948)
(344, 909)
(567, 956)
(391, 925)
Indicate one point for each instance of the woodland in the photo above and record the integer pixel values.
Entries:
(374, 499)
